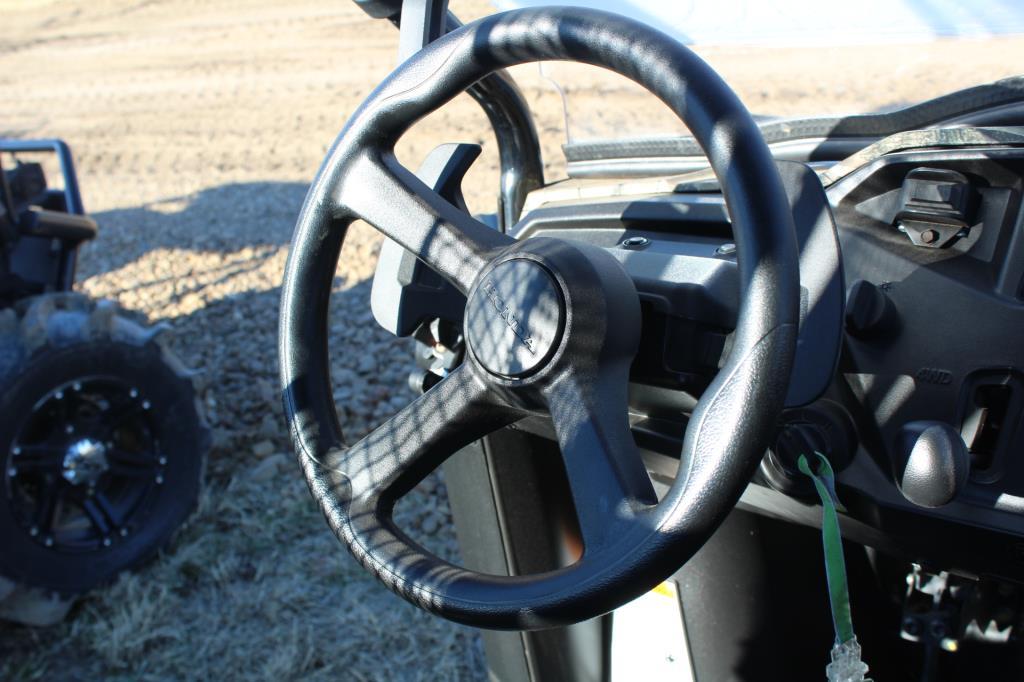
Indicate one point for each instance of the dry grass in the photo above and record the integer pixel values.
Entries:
(253, 588)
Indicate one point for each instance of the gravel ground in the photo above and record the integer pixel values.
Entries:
(196, 128)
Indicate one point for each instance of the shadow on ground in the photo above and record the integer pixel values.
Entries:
(254, 586)
(223, 218)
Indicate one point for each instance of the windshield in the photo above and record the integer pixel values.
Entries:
(793, 58)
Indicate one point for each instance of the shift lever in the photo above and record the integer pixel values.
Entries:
(932, 463)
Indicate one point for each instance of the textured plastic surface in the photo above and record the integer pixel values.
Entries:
(631, 542)
(869, 312)
(959, 317)
(682, 274)
(822, 290)
(500, 338)
(931, 463)
(405, 291)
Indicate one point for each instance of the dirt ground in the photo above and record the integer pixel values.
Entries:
(196, 127)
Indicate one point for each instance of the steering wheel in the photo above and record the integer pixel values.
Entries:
(550, 326)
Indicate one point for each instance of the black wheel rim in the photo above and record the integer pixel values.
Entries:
(85, 467)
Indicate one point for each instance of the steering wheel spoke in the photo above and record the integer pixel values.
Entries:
(392, 459)
(400, 205)
(608, 480)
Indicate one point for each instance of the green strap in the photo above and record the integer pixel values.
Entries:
(835, 564)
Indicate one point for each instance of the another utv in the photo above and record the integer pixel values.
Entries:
(102, 440)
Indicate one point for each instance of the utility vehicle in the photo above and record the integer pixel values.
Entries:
(102, 439)
(628, 373)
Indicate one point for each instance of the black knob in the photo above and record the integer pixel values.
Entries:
(931, 463)
(868, 310)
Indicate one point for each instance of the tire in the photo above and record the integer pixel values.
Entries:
(70, 365)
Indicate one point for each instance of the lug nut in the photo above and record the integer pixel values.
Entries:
(726, 249)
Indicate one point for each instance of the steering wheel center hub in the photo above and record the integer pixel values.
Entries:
(514, 318)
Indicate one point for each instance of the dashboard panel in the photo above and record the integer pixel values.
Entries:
(924, 368)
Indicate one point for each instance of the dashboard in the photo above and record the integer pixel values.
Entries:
(910, 361)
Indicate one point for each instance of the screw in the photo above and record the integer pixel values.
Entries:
(929, 236)
(12, 472)
(76, 386)
(59, 395)
(163, 461)
(106, 542)
(69, 429)
(134, 393)
(123, 532)
(727, 249)
(635, 242)
(33, 531)
(145, 405)
(159, 479)
(910, 627)
(48, 542)
(938, 629)
(16, 451)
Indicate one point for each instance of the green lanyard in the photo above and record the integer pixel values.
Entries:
(846, 664)
(835, 563)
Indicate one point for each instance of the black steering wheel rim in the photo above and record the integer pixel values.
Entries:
(730, 427)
